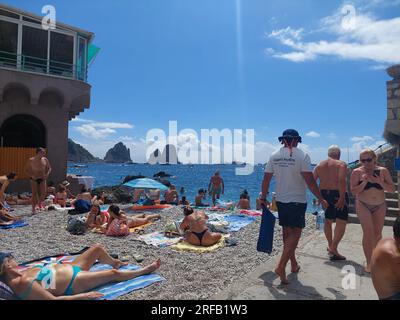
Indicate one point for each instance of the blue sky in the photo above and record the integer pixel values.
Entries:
(264, 65)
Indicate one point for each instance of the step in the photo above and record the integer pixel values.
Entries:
(389, 221)
(391, 212)
(394, 195)
(394, 203)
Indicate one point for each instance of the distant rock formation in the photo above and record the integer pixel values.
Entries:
(168, 156)
(78, 154)
(118, 154)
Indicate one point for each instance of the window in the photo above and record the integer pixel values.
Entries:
(31, 20)
(81, 61)
(34, 49)
(8, 44)
(61, 54)
(8, 14)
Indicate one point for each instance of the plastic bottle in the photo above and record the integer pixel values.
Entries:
(274, 207)
(320, 220)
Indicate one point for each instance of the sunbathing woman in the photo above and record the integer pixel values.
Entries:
(61, 196)
(243, 203)
(195, 227)
(96, 218)
(5, 217)
(71, 281)
(120, 223)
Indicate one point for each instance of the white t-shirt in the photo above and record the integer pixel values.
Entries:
(290, 185)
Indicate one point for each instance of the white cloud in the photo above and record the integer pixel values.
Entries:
(89, 131)
(313, 134)
(332, 136)
(98, 130)
(362, 139)
(365, 38)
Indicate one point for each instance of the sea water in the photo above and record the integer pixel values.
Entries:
(191, 177)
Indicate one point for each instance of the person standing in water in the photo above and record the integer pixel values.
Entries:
(332, 177)
(216, 186)
(292, 169)
(38, 170)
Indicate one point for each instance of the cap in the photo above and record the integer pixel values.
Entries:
(65, 183)
(4, 255)
(290, 133)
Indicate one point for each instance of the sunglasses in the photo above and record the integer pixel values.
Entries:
(368, 160)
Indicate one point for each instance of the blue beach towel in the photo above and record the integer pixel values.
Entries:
(115, 290)
(16, 224)
(112, 290)
(237, 222)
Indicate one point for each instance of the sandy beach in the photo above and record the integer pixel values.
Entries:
(188, 275)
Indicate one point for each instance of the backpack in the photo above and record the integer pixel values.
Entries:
(76, 226)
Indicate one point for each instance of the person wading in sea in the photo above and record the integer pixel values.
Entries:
(292, 169)
(216, 186)
(332, 177)
(38, 170)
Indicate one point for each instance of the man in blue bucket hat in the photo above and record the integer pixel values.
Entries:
(293, 173)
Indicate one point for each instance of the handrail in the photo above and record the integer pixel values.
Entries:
(356, 162)
(43, 66)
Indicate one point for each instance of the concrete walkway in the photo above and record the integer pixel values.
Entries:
(319, 278)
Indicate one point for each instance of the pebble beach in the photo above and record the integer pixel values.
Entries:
(188, 275)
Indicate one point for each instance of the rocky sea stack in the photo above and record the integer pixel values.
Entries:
(118, 154)
(78, 154)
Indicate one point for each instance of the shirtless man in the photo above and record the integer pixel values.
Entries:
(385, 266)
(38, 170)
(216, 186)
(332, 176)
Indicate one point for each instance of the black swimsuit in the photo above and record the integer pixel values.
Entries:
(200, 235)
(38, 181)
(370, 185)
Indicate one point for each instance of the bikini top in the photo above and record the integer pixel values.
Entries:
(370, 185)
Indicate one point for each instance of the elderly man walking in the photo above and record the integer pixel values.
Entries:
(332, 177)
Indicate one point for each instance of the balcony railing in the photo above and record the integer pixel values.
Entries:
(43, 66)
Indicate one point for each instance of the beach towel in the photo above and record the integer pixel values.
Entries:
(110, 291)
(233, 222)
(186, 246)
(114, 290)
(266, 236)
(237, 222)
(254, 213)
(158, 239)
(16, 224)
(140, 228)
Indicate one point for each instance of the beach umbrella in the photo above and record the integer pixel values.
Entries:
(145, 183)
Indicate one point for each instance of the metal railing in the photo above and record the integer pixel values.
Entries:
(43, 66)
(382, 148)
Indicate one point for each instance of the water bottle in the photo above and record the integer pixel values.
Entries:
(320, 220)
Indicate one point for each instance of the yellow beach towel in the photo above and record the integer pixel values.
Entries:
(186, 246)
(137, 229)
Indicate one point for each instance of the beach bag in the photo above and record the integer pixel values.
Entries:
(82, 206)
(76, 226)
(266, 236)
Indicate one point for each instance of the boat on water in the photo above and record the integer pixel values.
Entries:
(80, 165)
